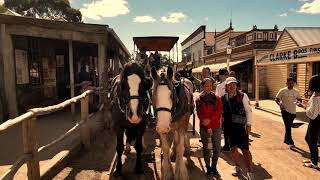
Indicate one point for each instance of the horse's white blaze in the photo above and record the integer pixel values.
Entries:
(164, 101)
(134, 82)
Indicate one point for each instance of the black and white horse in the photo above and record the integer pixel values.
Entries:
(173, 103)
(130, 102)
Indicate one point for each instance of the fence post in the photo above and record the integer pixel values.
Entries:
(30, 146)
(85, 128)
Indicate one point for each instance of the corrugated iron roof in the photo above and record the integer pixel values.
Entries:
(305, 36)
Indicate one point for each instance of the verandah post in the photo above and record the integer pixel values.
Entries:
(85, 128)
(30, 146)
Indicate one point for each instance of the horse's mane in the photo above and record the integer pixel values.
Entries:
(157, 81)
(130, 68)
(120, 81)
(178, 89)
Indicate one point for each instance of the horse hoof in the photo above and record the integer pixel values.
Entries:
(117, 173)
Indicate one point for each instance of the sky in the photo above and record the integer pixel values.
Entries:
(131, 18)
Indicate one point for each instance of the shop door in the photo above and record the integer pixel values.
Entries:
(62, 77)
(316, 68)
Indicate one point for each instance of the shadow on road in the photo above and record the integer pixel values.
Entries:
(195, 171)
(297, 125)
(255, 135)
(261, 172)
(302, 152)
(99, 158)
(128, 170)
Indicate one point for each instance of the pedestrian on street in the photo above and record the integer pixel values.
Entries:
(237, 123)
(233, 74)
(221, 87)
(206, 73)
(220, 91)
(209, 110)
(287, 98)
(313, 113)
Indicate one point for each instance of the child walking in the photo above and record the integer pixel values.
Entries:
(209, 110)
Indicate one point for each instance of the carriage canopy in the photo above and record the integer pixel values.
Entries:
(155, 43)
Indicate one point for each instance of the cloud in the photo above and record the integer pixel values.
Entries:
(144, 19)
(206, 18)
(310, 7)
(99, 9)
(175, 17)
(284, 15)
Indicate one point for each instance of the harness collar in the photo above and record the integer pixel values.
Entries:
(163, 109)
(173, 97)
(134, 97)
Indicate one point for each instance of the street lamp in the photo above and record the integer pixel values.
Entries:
(184, 56)
(229, 51)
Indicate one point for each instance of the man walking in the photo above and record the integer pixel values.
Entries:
(221, 87)
(287, 98)
(220, 91)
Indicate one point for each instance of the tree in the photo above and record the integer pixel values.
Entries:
(166, 61)
(2, 9)
(47, 9)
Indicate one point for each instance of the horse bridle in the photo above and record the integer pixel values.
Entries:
(130, 98)
(173, 97)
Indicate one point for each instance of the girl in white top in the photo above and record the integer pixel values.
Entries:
(313, 113)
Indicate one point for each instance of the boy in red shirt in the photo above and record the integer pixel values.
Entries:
(209, 110)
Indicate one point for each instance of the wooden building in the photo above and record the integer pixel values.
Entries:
(40, 60)
(296, 54)
(195, 46)
(245, 46)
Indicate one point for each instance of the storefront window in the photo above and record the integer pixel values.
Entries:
(293, 71)
(316, 68)
(35, 73)
(34, 62)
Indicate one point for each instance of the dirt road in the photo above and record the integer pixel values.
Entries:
(272, 159)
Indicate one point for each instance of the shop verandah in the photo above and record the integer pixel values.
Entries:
(41, 60)
(309, 56)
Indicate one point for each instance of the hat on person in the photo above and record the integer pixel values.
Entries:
(231, 80)
(223, 71)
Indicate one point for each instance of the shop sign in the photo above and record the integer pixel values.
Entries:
(22, 73)
(291, 56)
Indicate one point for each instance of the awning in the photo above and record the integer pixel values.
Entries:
(155, 43)
(217, 66)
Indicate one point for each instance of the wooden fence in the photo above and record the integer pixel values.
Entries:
(30, 149)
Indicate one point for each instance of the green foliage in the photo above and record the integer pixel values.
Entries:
(165, 60)
(2, 9)
(48, 9)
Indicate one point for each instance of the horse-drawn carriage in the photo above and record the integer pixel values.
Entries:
(172, 101)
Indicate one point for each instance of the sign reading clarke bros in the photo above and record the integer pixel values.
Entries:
(291, 56)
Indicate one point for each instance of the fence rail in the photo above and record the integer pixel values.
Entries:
(30, 145)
